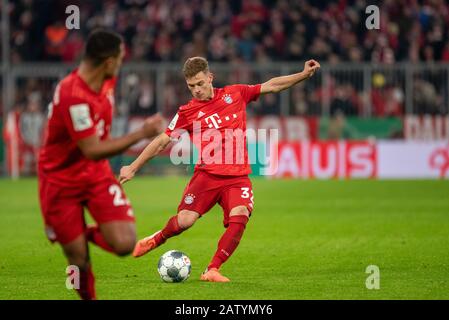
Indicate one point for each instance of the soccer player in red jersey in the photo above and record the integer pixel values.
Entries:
(222, 182)
(73, 171)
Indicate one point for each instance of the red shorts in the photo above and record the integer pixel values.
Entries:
(205, 190)
(63, 207)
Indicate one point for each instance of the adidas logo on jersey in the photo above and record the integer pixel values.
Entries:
(200, 114)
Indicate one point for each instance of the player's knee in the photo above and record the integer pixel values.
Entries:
(77, 258)
(124, 248)
(239, 211)
(124, 245)
(186, 219)
(76, 253)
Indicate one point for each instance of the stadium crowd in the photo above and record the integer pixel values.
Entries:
(260, 31)
(253, 30)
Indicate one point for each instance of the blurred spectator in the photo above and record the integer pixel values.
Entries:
(425, 98)
(119, 128)
(269, 105)
(246, 45)
(337, 126)
(73, 48)
(141, 95)
(342, 101)
(31, 125)
(299, 102)
(55, 38)
(387, 101)
(32, 121)
(170, 101)
(445, 54)
(163, 46)
(305, 101)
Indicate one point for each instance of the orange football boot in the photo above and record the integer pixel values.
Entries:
(213, 275)
(146, 245)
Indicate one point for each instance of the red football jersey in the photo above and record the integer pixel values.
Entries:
(218, 129)
(76, 112)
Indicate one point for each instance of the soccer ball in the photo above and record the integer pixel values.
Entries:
(174, 266)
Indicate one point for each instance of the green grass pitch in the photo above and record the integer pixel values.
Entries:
(305, 240)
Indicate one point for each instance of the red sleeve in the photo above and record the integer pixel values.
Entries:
(249, 92)
(77, 117)
(178, 124)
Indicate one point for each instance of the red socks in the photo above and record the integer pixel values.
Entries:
(87, 284)
(229, 240)
(171, 229)
(86, 290)
(93, 234)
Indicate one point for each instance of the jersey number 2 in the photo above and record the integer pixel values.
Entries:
(119, 200)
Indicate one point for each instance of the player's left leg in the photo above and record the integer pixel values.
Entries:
(238, 218)
(237, 203)
(94, 235)
(120, 236)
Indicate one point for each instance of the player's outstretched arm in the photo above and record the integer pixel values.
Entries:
(96, 149)
(151, 150)
(278, 84)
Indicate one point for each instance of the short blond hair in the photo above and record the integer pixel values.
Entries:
(194, 65)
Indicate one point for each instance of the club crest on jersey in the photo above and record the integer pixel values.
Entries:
(227, 98)
(189, 198)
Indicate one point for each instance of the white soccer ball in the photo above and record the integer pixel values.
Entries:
(174, 266)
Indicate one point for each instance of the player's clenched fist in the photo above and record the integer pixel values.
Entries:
(126, 174)
(310, 66)
(152, 126)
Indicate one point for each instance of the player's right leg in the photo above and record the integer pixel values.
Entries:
(200, 195)
(175, 225)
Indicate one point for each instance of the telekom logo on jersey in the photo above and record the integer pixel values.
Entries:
(213, 121)
(226, 146)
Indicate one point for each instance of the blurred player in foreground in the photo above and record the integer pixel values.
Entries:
(73, 172)
(222, 182)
